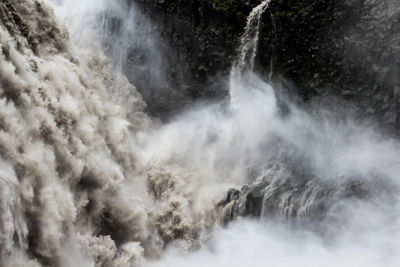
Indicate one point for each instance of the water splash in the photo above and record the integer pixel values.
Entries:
(67, 119)
(88, 180)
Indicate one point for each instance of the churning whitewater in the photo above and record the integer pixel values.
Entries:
(88, 179)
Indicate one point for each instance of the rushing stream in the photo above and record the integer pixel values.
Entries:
(88, 179)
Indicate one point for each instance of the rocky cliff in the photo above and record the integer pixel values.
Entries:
(347, 49)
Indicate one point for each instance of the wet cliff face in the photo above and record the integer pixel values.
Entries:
(343, 48)
(325, 52)
(200, 39)
(348, 49)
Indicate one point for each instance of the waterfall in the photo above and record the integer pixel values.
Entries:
(287, 189)
(249, 39)
(242, 76)
(87, 179)
(67, 119)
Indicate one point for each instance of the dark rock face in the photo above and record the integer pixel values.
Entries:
(286, 194)
(202, 38)
(345, 48)
(280, 193)
(332, 52)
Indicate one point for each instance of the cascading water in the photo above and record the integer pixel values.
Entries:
(281, 190)
(66, 119)
(243, 67)
(249, 39)
(87, 179)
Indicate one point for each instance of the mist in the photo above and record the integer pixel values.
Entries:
(217, 147)
(89, 179)
(130, 40)
(259, 244)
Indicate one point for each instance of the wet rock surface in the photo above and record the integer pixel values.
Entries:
(296, 197)
(346, 48)
(202, 39)
(338, 55)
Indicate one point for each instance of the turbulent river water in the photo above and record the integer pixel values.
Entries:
(88, 179)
